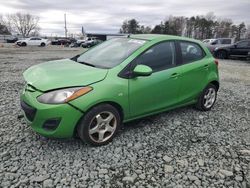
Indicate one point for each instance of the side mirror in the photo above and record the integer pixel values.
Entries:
(142, 70)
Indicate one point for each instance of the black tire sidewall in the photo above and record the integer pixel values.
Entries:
(83, 126)
(42, 44)
(200, 103)
(222, 54)
(24, 44)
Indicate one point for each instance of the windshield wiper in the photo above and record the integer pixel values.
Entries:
(89, 64)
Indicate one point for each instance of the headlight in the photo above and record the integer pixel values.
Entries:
(63, 95)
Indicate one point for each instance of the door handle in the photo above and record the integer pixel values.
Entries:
(174, 75)
(206, 66)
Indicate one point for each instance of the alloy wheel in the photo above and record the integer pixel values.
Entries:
(209, 98)
(102, 126)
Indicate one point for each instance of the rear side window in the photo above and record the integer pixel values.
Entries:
(191, 52)
(242, 44)
(225, 41)
(159, 57)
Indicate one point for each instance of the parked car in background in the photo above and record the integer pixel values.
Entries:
(60, 42)
(248, 56)
(91, 43)
(213, 43)
(12, 40)
(63, 41)
(239, 49)
(120, 80)
(33, 41)
(219, 41)
(80, 41)
(86, 40)
(208, 41)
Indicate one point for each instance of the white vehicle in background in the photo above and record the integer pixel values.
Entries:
(86, 40)
(33, 41)
(212, 44)
(219, 41)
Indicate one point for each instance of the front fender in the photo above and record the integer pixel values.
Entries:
(114, 91)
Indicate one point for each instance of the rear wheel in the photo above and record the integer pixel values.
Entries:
(99, 126)
(207, 98)
(221, 54)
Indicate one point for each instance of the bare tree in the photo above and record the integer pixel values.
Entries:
(3, 28)
(248, 32)
(25, 24)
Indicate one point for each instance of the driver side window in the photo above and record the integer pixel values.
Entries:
(159, 57)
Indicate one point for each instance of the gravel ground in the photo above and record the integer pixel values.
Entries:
(179, 148)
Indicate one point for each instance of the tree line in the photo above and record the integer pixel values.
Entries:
(22, 23)
(198, 27)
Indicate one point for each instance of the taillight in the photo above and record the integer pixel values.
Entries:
(216, 62)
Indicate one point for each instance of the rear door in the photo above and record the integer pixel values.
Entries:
(195, 69)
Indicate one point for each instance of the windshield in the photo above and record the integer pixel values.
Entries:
(110, 53)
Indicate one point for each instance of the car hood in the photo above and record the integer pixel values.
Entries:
(61, 74)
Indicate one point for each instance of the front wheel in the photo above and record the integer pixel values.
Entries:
(99, 126)
(207, 98)
(42, 44)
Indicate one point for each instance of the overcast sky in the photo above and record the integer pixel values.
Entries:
(108, 15)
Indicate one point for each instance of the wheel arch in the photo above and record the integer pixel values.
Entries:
(216, 84)
(112, 103)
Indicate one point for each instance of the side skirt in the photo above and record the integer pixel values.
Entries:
(160, 111)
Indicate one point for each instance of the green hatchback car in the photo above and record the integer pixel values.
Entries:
(120, 80)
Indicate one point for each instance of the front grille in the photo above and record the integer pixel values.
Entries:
(29, 111)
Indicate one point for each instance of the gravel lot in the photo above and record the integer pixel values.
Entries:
(180, 148)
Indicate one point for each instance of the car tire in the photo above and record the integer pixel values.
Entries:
(42, 44)
(222, 54)
(207, 98)
(99, 125)
(24, 44)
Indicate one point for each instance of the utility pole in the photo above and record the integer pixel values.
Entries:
(65, 25)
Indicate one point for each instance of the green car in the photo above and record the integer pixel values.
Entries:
(117, 81)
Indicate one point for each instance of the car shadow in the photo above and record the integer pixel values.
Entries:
(134, 125)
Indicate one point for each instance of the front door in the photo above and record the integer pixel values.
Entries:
(31, 41)
(159, 90)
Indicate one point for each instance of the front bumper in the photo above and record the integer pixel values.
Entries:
(39, 116)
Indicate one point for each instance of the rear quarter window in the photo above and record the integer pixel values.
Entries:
(226, 41)
(191, 52)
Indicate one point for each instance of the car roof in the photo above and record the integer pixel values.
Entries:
(160, 37)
